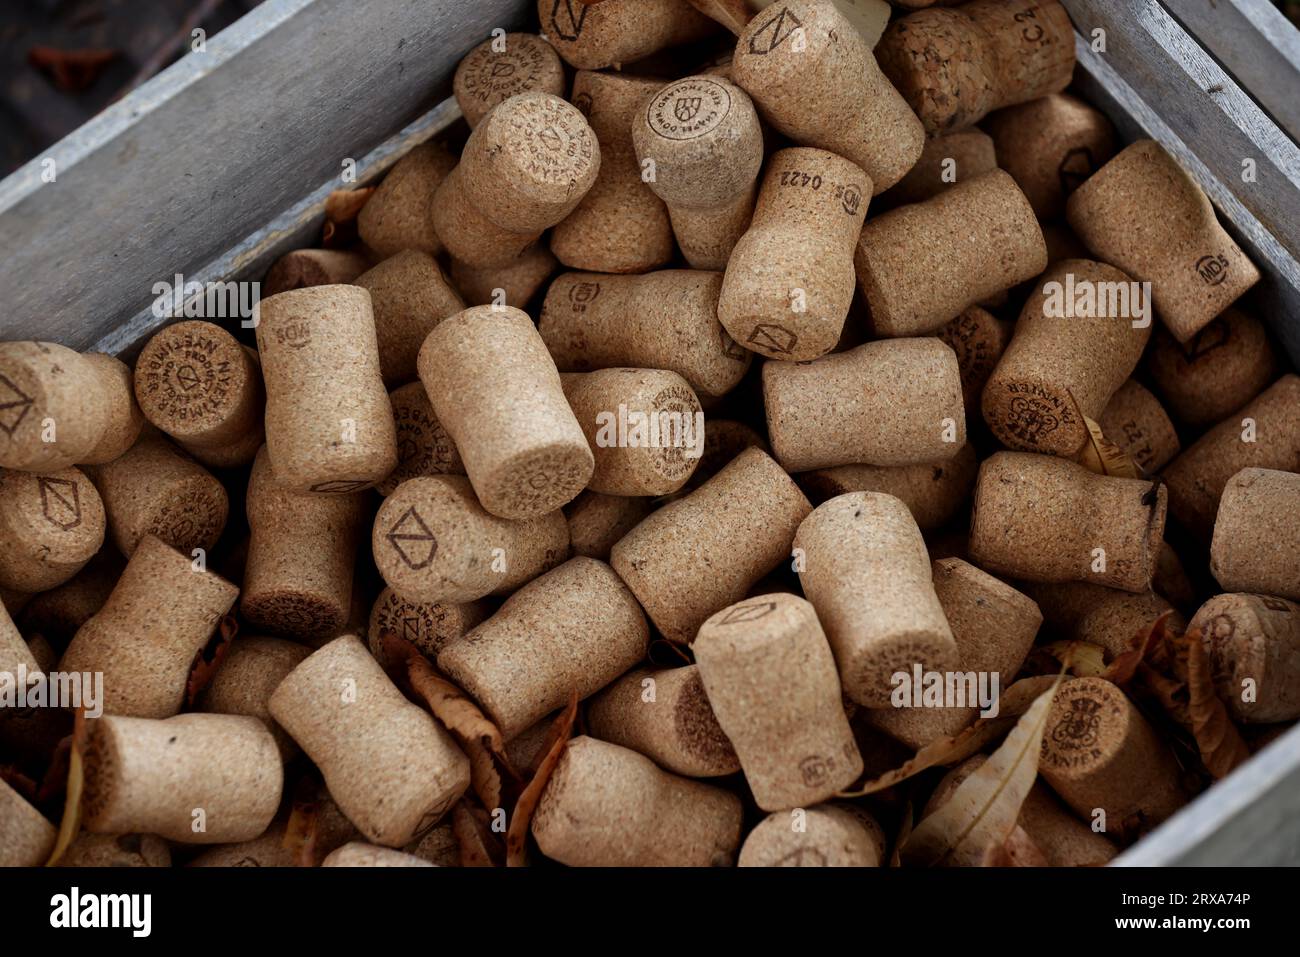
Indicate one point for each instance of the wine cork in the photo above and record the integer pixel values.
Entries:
(1108, 617)
(955, 66)
(703, 138)
(192, 779)
(123, 417)
(502, 67)
(770, 677)
(620, 226)
(865, 569)
(1099, 753)
(818, 414)
(117, 850)
(360, 854)
(423, 446)
(59, 612)
(945, 160)
(1144, 214)
(978, 338)
(829, 835)
(738, 525)
(724, 439)
(301, 554)
(592, 37)
(26, 836)
(1135, 420)
(253, 668)
(664, 714)
(13, 650)
(329, 425)
(789, 282)
(813, 77)
(1256, 546)
(51, 524)
(662, 320)
(1047, 519)
(607, 806)
(1253, 643)
(433, 542)
(1263, 434)
(576, 628)
(917, 275)
(302, 268)
(1050, 146)
(145, 639)
(495, 389)
(428, 625)
(1233, 353)
(513, 284)
(409, 295)
(390, 767)
(397, 215)
(597, 522)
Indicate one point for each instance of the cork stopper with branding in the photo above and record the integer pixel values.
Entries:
(978, 338)
(1135, 420)
(409, 295)
(423, 445)
(614, 32)
(502, 67)
(426, 625)
(397, 215)
(829, 835)
(1253, 642)
(51, 524)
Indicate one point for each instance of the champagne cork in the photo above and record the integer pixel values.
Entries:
(390, 767)
(1099, 753)
(433, 542)
(360, 854)
(829, 835)
(789, 283)
(917, 275)
(703, 138)
(738, 526)
(1233, 353)
(117, 850)
(813, 77)
(253, 668)
(1059, 370)
(302, 268)
(27, 837)
(423, 446)
(301, 554)
(1109, 617)
(428, 625)
(597, 522)
(979, 338)
(607, 806)
(192, 779)
(664, 714)
(592, 37)
(409, 295)
(59, 612)
(1263, 434)
(1144, 214)
(645, 428)
(51, 525)
(945, 161)
(770, 677)
(495, 389)
(397, 215)
(145, 639)
(329, 425)
(819, 415)
(620, 226)
(1253, 642)
(1135, 420)
(866, 571)
(662, 320)
(1047, 519)
(1050, 146)
(576, 628)
(122, 414)
(502, 67)
(1256, 546)
(514, 284)
(955, 66)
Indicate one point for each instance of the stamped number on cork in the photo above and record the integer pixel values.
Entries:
(689, 109)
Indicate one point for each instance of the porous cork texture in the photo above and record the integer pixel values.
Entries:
(1256, 545)
(329, 424)
(1109, 617)
(51, 524)
(13, 650)
(978, 338)
(26, 835)
(705, 551)
(409, 296)
(302, 268)
(595, 36)
(426, 625)
(502, 67)
(919, 266)
(513, 284)
(423, 446)
(1135, 420)
(829, 835)
(825, 90)
(360, 854)
(945, 161)
(607, 806)
(576, 628)
(1144, 214)
(770, 676)
(117, 850)
(398, 214)
(866, 571)
(819, 415)
(724, 439)
(145, 639)
(597, 522)
(252, 669)
(1253, 642)
(496, 390)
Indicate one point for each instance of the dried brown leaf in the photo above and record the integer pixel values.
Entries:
(1018, 850)
(904, 832)
(1081, 658)
(72, 71)
(70, 826)
(1221, 745)
(302, 829)
(517, 835)
(1123, 667)
(732, 14)
(1104, 457)
(208, 661)
(472, 833)
(345, 205)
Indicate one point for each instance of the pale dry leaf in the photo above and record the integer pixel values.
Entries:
(1080, 658)
(1124, 666)
(732, 14)
(517, 834)
(345, 205)
(70, 825)
(904, 831)
(472, 835)
(1018, 850)
(1104, 457)
(1221, 745)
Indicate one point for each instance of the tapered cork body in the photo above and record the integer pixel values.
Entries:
(13, 650)
(1253, 643)
(978, 338)
(409, 295)
(495, 389)
(423, 445)
(919, 266)
(51, 524)
(145, 639)
(813, 77)
(1256, 545)
(118, 405)
(397, 216)
(819, 415)
(597, 522)
(607, 806)
(619, 31)
(391, 768)
(1047, 519)
(26, 835)
(576, 628)
(301, 553)
(513, 284)
(1135, 420)
(329, 425)
(1144, 214)
(1061, 366)
(253, 668)
(426, 625)
(829, 835)
(331, 830)
(866, 571)
(58, 613)
(315, 267)
(359, 854)
(945, 161)
(502, 67)
(1109, 617)
(1099, 753)
(117, 850)
(955, 66)
(662, 320)
(738, 526)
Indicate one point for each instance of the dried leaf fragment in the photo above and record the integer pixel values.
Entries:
(517, 835)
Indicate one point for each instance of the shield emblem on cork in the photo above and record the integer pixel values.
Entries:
(773, 33)
(686, 108)
(14, 404)
(567, 17)
(60, 502)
